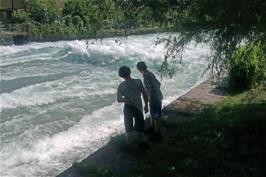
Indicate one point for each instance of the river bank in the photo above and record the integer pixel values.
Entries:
(13, 38)
(113, 157)
(226, 139)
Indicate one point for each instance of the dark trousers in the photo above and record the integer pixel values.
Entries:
(130, 113)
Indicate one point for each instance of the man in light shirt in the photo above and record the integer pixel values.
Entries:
(129, 92)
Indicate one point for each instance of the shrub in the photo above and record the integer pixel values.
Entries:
(43, 11)
(1, 25)
(78, 22)
(247, 66)
(68, 20)
(20, 16)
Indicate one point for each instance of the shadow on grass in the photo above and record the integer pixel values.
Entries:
(226, 140)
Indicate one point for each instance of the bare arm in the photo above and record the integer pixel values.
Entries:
(148, 85)
(145, 98)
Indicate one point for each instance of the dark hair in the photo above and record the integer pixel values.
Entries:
(124, 71)
(141, 66)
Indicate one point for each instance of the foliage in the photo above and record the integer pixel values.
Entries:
(78, 22)
(166, 69)
(82, 12)
(81, 17)
(20, 16)
(223, 24)
(1, 25)
(43, 11)
(247, 66)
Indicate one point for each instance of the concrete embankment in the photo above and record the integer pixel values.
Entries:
(11, 38)
(195, 100)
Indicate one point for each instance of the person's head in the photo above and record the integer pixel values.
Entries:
(124, 72)
(141, 66)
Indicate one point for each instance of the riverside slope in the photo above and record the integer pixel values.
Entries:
(113, 158)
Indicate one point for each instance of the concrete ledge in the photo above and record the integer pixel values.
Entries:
(195, 100)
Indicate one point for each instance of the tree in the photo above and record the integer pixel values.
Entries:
(20, 16)
(225, 25)
(88, 11)
(43, 11)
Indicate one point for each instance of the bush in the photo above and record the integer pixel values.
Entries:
(247, 66)
(68, 20)
(1, 25)
(43, 11)
(20, 16)
(78, 22)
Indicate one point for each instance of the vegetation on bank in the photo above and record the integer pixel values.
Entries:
(225, 140)
(247, 67)
(225, 26)
(45, 19)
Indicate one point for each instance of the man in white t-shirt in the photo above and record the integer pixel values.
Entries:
(129, 92)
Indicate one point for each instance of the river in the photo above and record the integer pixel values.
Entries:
(58, 99)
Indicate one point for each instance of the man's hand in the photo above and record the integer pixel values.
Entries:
(122, 99)
(146, 109)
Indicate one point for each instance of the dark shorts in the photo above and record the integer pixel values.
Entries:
(156, 109)
(131, 112)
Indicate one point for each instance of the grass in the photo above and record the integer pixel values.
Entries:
(225, 140)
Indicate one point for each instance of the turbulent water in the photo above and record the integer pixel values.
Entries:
(58, 99)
